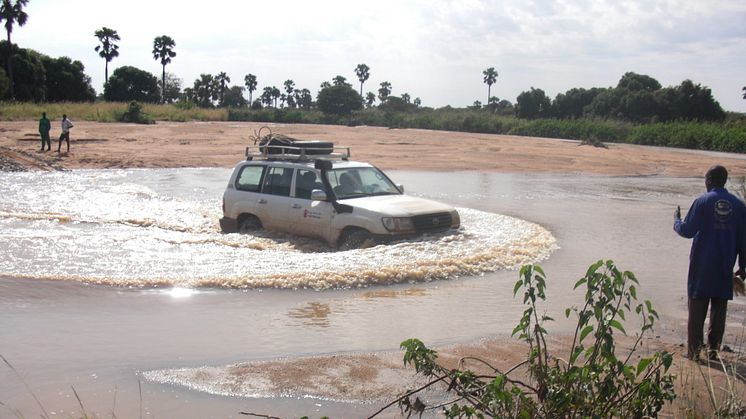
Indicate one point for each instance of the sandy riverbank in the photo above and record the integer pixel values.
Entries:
(222, 144)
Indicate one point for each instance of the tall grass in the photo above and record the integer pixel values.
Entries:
(728, 136)
(105, 111)
(694, 135)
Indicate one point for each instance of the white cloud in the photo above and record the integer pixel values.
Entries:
(435, 50)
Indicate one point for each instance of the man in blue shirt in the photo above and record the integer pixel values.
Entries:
(716, 222)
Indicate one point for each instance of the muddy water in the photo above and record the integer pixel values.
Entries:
(148, 228)
(134, 228)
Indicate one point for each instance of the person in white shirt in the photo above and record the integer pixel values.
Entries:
(66, 125)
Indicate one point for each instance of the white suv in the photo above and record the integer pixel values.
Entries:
(347, 204)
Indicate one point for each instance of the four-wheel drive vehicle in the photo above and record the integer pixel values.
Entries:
(345, 203)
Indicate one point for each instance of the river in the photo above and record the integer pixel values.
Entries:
(107, 275)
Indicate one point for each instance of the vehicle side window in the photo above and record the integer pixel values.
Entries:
(277, 181)
(250, 178)
(305, 182)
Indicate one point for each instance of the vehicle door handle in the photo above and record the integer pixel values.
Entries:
(296, 206)
(262, 201)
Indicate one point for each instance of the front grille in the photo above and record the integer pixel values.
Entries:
(427, 223)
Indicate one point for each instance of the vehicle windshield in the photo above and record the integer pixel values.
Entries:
(355, 182)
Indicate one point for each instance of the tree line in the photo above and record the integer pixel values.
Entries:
(37, 77)
(636, 98)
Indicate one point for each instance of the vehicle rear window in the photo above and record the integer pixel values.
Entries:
(250, 178)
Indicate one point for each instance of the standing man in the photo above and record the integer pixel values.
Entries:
(716, 222)
(44, 126)
(66, 125)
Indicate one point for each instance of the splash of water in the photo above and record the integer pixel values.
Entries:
(106, 228)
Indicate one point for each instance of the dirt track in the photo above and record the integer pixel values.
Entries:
(222, 144)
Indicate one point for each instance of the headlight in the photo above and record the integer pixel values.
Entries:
(397, 223)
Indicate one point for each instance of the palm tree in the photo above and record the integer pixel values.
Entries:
(221, 84)
(304, 99)
(276, 94)
(267, 96)
(384, 91)
(163, 50)
(204, 90)
(289, 89)
(250, 82)
(490, 77)
(363, 74)
(12, 13)
(340, 81)
(108, 49)
(370, 98)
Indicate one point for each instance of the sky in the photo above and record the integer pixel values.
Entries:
(434, 50)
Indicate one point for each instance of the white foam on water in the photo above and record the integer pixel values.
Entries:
(103, 227)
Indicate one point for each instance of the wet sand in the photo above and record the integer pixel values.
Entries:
(222, 144)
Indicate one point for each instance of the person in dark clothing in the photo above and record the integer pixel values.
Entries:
(716, 222)
(44, 126)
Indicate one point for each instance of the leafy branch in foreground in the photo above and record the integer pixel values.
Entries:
(592, 381)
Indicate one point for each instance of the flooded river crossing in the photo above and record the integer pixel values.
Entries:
(109, 275)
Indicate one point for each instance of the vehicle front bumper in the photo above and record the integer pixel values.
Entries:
(228, 225)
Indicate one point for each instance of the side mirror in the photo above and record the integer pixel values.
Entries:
(400, 187)
(318, 195)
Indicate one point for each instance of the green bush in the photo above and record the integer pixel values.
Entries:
(134, 114)
(576, 129)
(693, 135)
(593, 380)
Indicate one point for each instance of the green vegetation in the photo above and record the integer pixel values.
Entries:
(636, 98)
(108, 111)
(129, 83)
(592, 380)
(339, 100)
(108, 50)
(729, 136)
(39, 77)
(10, 14)
(134, 114)
(490, 77)
(163, 50)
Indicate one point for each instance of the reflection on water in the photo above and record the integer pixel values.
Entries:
(312, 314)
(124, 228)
(382, 293)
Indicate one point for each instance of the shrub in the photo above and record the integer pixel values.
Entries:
(593, 380)
(135, 115)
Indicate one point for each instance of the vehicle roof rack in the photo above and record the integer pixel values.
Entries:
(292, 153)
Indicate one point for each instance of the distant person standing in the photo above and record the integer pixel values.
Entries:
(44, 126)
(66, 125)
(716, 221)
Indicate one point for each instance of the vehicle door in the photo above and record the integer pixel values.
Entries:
(242, 196)
(310, 218)
(273, 206)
